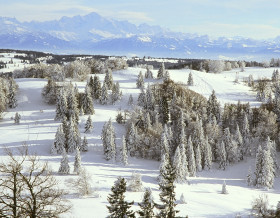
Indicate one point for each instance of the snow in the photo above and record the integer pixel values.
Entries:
(202, 194)
(145, 39)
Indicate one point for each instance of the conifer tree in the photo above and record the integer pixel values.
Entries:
(135, 183)
(130, 100)
(150, 98)
(140, 81)
(124, 158)
(59, 141)
(149, 74)
(245, 132)
(108, 139)
(109, 79)
(104, 97)
(207, 155)
(71, 137)
(213, 107)
(147, 205)
(88, 125)
(96, 87)
(184, 162)
(116, 93)
(87, 103)
(198, 159)
(84, 146)
(182, 199)
(191, 158)
(249, 178)
(142, 99)
(61, 105)
(177, 163)
(64, 164)
(190, 79)
(161, 71)
(240, 145)
(17, 118)
(164, 110)
(72, 104)
(167, 188)
(119, 208)
(224, 188)
(132, 140)
(77, 163)
(12, 101)
(222, 156)
(230, 146)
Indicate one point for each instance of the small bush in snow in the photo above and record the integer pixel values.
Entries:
(260, 207)
(182, 199)
(135, 183)
(17, 118)
(224, 188)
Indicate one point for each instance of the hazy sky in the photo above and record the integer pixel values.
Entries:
(249, 18)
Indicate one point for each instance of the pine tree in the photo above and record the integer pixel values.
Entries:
(240, 145)
(222, 156)
(59, 141)
(130, 100)
(245, 132)
(12, 101)
(132, 140)
(104, 97)
(207, 155)
(150, 99)
(177, 163)
(230, 146)
(149, 74)
(72, 104)
(167, 195)
(61, 105)
(182, 199)
(198, 159)
(108, 139)
(142, 99)
(64, 164)
(84, 146)
(119, 208)
(249, 178)
(190, 79)
(224, 188)
(109, 79)
(71, 137)
(88, 125)
(213, 107)
(124, 152)
(147, 205)
(87, 103)
(184, 162)
(77, 163)
(17, 118)
(191, 158)
(161, 71)
(140, 81)
(116, 93)
(96, 87)
(164, 110)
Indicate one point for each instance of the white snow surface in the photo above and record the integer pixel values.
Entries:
(202, 194)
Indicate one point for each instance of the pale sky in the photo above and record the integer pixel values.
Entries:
(248, 18)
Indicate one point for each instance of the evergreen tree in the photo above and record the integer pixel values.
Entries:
(87, 103)
(177, 163)
(108, 138)
(109, 79)
(72, 104)
(142, 99)
(222, 156)
(119, 208)
(224, 188)
(140, 81)
(124, 152)
(161, 71)
(149, 74)
(64, 163)
(207, 155)
(17, 118)
(198, 159)
(59, 141)
(190, 79)
(182, 199)
(130, 100)
(132, 140)
(147, 205)
(84, 146)
(77, 163)
(71, 137)
(150, 99)
(213, 107)
(164, 110)
(191, 158)
(249, 178)
(88, 125)
(12, 101)
(245, 132)
(104, 97)
(240, 145)
(61, 105)
(116, 93)
(230, 146)
(135, 183)
(167, 188)
(184, 162)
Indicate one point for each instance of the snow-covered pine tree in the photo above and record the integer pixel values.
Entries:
(207, 155)
(184, 162)
(124, 158)
(224, 188)
(104, 97)
(71, 137)
(108, 138)
(147, 122)
(72, 105)
(116, 93)
(77, 163)
(191, 158)
(213, 107)
(230, 146)
(182, 199)
(198, 159)
(96, 87)
(190, 79)
(12, 100)
(130, 100)
(167, 188)
(150, 99)
(164, 110)
(17, 118)
(61, 105)
(264, 168)
(140, 81)
(240, 145)
(64, 164)
(59, 141)
(135, 183)
(87, 103)
(222, 156)
(249, 178)
(245, 132)
(132, 140)
(149, 74)
(84, 146)
(118, 206)
(147, 205)
(90, 84)
(161, 71)
(142, 99)
(88, 125)
(109, 79)
(177, 163)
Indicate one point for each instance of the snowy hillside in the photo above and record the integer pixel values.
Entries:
(202, 193)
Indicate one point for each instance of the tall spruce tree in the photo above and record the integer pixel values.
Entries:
(222, 156)
(190, 79)
(88, 125)
(213, 107)
(108, 138)
(147, 205)
(72, 105)
(132, 140)
(64, 164)
(59, 141)
(77, 163)
(161, 71)
(84, 145)
(124, 158)
(140, 81)
(191, 158)
(109, 79)
(104, 97)
(96, 87)
(87, 103)
(61, 105)
(119, 208)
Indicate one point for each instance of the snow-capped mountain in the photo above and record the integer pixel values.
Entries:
(93, 33)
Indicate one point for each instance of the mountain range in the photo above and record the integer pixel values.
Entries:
(94, 34)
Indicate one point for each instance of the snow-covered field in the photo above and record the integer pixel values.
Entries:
(203, 193)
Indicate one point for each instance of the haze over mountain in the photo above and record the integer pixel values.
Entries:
(94, 34)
